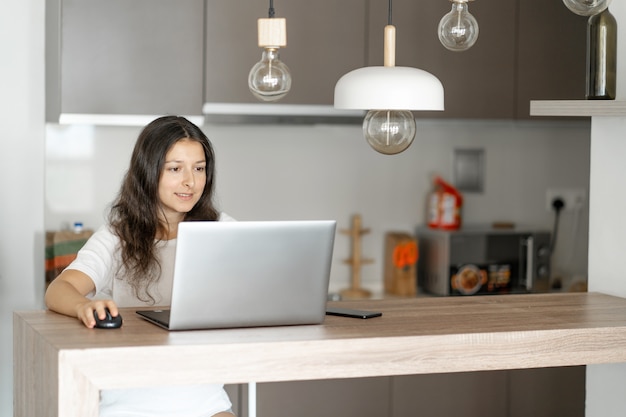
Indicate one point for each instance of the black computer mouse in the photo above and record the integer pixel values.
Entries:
(109, 322)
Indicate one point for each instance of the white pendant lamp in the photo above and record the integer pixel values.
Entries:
(389, 93)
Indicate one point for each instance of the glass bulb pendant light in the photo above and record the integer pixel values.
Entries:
(458, 30)
(389, 93)
(270, 79)
(587, 7)
(389, 132)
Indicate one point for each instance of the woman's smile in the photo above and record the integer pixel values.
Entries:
(185, 196)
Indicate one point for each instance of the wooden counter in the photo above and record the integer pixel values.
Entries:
(60, 366)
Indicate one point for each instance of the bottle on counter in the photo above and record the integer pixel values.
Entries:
(78, 227)
(444, 206)
(601, 56)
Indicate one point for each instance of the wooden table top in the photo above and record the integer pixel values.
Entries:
(417, 335)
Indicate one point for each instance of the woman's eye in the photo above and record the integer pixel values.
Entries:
(174, 169)
(200, 169)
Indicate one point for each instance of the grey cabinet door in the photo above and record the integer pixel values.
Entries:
(363, 397)
(526, 50)
(325, 39)
(548, 392)
(478, 83)
(544, 392)
(552, 53)
(468, 394)
(125, 57)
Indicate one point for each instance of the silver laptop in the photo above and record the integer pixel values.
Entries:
(249, 274)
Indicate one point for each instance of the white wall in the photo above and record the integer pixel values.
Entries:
(22, 179)
(318, 172)
(605, 383)
(605, 397)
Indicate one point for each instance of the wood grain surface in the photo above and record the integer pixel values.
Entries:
(413, 336)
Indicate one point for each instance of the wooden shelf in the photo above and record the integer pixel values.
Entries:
(577, 108)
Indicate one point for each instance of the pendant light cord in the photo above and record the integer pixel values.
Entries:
(271, 10)
(389, 14)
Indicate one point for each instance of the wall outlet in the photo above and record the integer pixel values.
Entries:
(574, 198)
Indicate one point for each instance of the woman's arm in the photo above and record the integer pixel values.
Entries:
(67, 295)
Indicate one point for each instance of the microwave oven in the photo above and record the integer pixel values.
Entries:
(483, 260)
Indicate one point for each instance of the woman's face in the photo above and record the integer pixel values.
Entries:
(182, 180)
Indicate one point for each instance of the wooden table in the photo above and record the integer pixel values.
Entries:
(60, 366)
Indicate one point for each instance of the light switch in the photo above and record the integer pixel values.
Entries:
(469, 170)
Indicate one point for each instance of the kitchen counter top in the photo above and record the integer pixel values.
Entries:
(59, 362)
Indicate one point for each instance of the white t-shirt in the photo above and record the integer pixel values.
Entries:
(99, 259)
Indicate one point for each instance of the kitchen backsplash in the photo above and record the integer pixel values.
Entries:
(328, 171)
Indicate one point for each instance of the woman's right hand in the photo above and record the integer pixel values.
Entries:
(85, 311)
(67, 294)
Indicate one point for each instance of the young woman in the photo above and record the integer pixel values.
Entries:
(129, 261)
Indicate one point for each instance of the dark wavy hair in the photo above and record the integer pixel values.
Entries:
(134, 215)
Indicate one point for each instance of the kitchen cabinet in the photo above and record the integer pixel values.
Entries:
(551, 54)
(124, 57)
(478, 394)
(478, 83)
(547, 392)
(526, 49)
(365, 397)
(541, 392)
(151, 57)
(325, 39)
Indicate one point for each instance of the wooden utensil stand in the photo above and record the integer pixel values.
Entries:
(355, 261)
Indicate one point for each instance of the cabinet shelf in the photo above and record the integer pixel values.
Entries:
(578, 108)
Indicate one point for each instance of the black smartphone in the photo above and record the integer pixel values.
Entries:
(349, 312)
